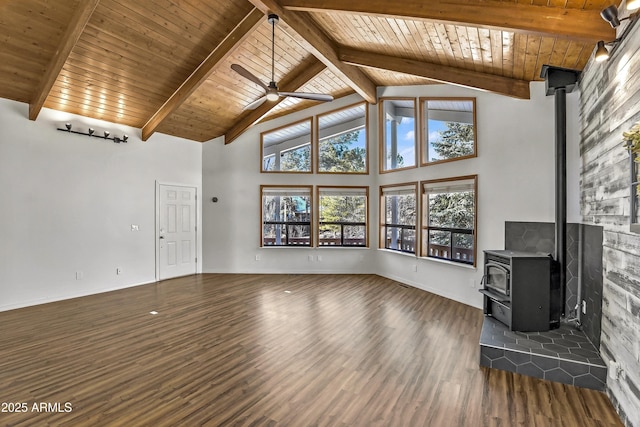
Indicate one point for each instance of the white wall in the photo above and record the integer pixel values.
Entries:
(515, 165)
(516, 179)
(232, 225)
(68, 203)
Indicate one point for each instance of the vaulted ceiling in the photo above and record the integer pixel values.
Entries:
(164, 65)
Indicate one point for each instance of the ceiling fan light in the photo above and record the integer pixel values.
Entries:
(633, 5)
(610, 14)
(272, 92)
(602, 54)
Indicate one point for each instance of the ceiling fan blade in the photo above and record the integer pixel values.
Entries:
(306, 95)
(255, 104)
(247, 75)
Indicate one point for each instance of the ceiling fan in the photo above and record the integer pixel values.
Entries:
(271, 90)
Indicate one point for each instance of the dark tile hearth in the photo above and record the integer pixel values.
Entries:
(583, 264)
(563, 355)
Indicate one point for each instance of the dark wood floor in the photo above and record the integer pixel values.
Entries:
(277, 350)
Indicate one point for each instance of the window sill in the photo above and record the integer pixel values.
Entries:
(317, 247)
(285, 247)
(453, 263)
(391, 251)
(385, 171)
(342, 247)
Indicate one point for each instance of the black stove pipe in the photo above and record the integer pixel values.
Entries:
(560, 81)
(561, 189)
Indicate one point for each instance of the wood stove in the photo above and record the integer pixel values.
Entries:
(521, 290)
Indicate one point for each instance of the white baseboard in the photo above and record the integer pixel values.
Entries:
(279, 271)
(417, 285)
(431, 290)
(40, 301)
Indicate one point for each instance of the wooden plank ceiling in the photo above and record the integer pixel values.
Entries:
(164, 65)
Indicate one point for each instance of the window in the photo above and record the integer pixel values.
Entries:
(286, 215)
(342, 145)
(287, 149)
(449, 129)
(398, 134)
(449, 212)
(398, 217)
(342, 216)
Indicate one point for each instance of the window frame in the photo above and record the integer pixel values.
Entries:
(286, 187)
(425, 226)
(424, 134)
(366, 130)
(366, 216)
(383, 218)
(382, 134)
(311, 146)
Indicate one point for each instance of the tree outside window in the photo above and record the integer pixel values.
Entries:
(342, 145)
(449, 130)
(287, 149)
(296, 159)
(286, 216)
(342, 216)
(449, 219)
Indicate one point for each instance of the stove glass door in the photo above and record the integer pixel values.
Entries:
(497, 277)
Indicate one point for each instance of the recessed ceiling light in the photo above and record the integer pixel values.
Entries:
(153, 312)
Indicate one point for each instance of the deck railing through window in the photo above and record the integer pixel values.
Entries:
(285, 234)
(326, 239)
(450, 244)
(400, 237)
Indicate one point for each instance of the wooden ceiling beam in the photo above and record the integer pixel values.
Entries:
(473, 79)
(241, 31)
(578, 24)
(322, 47)
(303, 73)
(78, 21)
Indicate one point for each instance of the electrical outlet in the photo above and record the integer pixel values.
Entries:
(584, 307)
(257, 257)
(310, 258)
(79, 275)
(135, 227)
(414, 268)
(319, 258)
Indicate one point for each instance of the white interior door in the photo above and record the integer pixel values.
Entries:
(176, 231)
